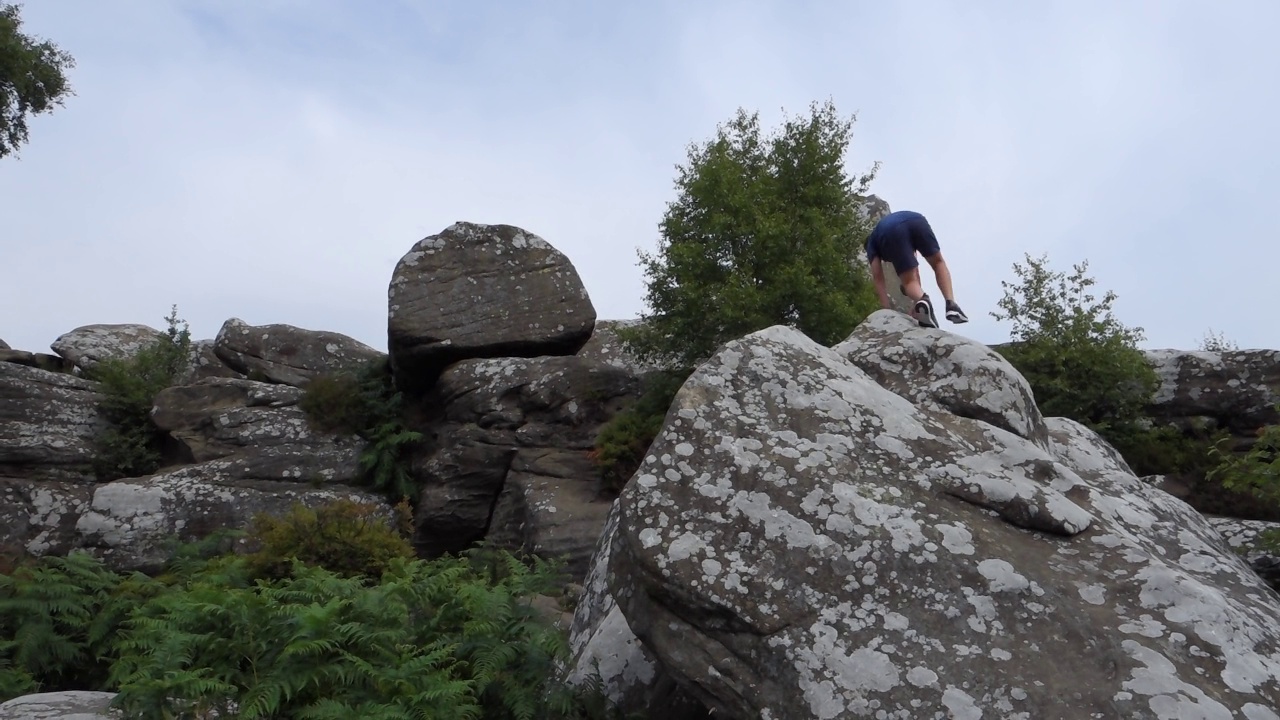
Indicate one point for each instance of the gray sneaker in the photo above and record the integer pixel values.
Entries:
(955, 314)
(923, 313)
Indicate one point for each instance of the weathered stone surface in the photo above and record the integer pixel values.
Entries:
(88, 345)
(48, 423)
(38, 517)
(4, 345)
(1238, 389)
(513, 462)
(1245, 537)
(66, 705)
(480, 291)
(40, 361)
(602, 646)
(937, 369)
(606, 347)
(803, 543)
(205, 364)
(218, 417)
(287, 354)
(131, 523)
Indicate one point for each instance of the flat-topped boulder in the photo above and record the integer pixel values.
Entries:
(49, 423)
(1236, 389)
(89, 345)
(287, 354)
(481, 291)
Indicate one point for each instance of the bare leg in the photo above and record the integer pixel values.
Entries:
(942, 274)
(911, 286)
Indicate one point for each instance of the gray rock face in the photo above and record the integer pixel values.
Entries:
(48, 423)
(803, 543)
(88, 345)
(1238, 389)
(513, 457)
(68, 705)
(38, 517)
(1246, 538)
(605, 346)
(205, 363)
(39, 361)
(481, 291)
(4, 345)
(131, 523)
(936, 369)
(286, 354)
(218, 417)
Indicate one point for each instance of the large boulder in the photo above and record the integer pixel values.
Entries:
(286, 354)
(944, 372)
(482, 291)
(38, 517)
(1250, 539)
(204, 363)
(39, 361)
(801, 542)
(88, 345)
(49, 423)
(513, 463)
(607, 347)
(218, 417)
(65, 705)
(1236, 389)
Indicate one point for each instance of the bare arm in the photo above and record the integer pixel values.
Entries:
(877, 275)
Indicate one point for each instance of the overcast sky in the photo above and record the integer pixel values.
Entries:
(272, 159)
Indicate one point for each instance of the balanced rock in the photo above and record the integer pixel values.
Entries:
(88, 345)
(286, 354)
(801, 542)
(480, 291)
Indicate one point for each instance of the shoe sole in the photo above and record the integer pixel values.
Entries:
(931, 320)
(957, 318)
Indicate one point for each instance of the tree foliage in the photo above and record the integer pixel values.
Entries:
(32, 78)
(1081, 361)
(132, 445)
(765, 230)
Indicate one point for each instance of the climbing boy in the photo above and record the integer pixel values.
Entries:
(896, 239)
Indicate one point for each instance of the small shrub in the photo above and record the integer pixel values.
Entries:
(1164, 450)
(365, 402)
(624, 440)
(1217, 342)
(1256, 471)
(132, 445)
(347, 538)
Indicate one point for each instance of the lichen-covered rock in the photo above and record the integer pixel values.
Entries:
(88, 345)
(802, 543)
(204, 363)
(132, 524)
(937, 369)
(218, 417)
(479, 291)
(1235, 388)
(520, 429)
(38, 517)
(602, 648)
(65, 705)
(1246, 538)
(286, 354)
(605, 346)
(39, 361)
(49, 423)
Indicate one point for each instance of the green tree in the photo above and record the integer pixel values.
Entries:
(1081, 361)
(765, 230)
(32, 78)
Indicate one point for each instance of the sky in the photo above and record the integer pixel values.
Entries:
(272, 160)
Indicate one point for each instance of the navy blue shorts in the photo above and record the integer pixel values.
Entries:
(900, 243)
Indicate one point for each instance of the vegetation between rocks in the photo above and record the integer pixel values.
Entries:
(365, 402)
(453, 638)
(132, 445)
(624, 440)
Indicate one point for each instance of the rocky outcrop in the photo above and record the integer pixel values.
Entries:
(4, 345)
(204, 363)
(802, 542)
(286, 354)
(1234, 389)
(513, 461)
(482, 291)
(86, 346)
(67, 705)
(606, 346)
(1247, 537)
(38, 517)
(39, 361)
(48, 423)
(133, 524)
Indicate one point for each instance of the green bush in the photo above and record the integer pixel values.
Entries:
(1257, 471)
(764, 230)
(1080, 360)
(365, 402)
(347, 538)
(624, 440)
(132, 445)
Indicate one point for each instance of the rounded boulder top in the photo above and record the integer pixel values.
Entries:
(475, 291)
